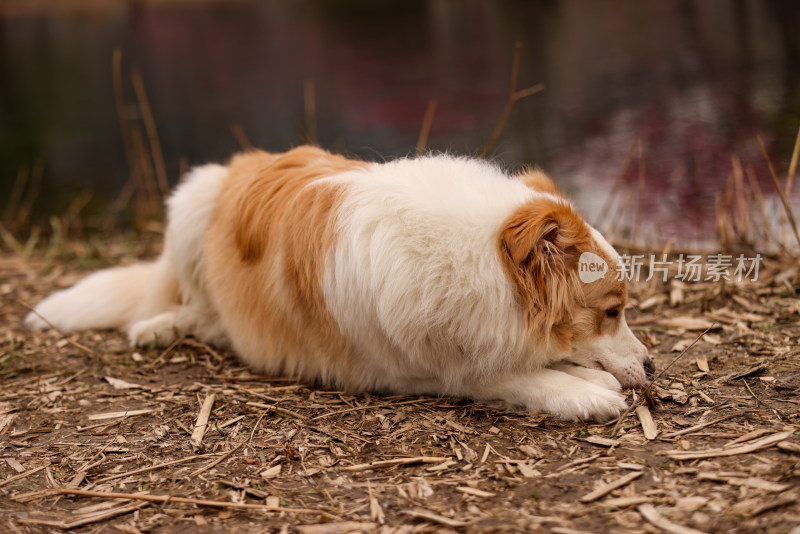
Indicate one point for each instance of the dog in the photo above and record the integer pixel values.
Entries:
(438, 275)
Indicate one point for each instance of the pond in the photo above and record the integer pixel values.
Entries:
(678, 88)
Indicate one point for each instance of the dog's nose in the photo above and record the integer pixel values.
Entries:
(649, 366)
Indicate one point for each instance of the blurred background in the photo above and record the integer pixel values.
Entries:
(648, 117)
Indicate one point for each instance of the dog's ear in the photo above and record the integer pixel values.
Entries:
(538, 180)
(540, 246)
(544, 232)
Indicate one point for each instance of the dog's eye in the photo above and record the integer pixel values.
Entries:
(613, 313)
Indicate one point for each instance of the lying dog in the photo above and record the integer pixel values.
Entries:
(437, 275)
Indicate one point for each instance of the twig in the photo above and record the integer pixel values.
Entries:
(793, 164)
(183, 500)
(240, 135)
(152, 132)
(650, 513)
(164, 353)
(604, 490)
(20, 476)
(734, 451)
(151, 468)
(277, 409)
(124, 413)
(370, 406)
(310, 107)
(701, 426)
(86, 520)
(217, 461)
(378, 464)
(646, 391)
(764, 404)
(786, 207)
(419, 513)
(513, 96)
(426, 127)
(55, 328)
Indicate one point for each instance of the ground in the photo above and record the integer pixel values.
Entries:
(83, 413)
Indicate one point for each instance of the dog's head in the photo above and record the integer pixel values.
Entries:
(566, 277)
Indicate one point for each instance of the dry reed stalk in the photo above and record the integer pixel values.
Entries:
(513, 96)
(637, 215)
(793, 164)
(622, 209)
(241, 137)
(787, 208)
(756, 189)
(422, 140)
(742, 210)
(617, 184)
(14, 197)
(119, 97)
(34, 188)
(152, 132)
(310, 109)
(722, 223)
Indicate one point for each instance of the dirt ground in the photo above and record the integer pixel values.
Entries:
(90, 429)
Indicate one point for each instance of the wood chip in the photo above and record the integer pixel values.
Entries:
(202, 420)
(272, 472)
(15, 465)
(754, 507)
(750, 482)
(747, 437)
(744, 449)
(114, 415)
(442, 466)
(605, 489)
(604, 442)
(121, 384)
(436, 518)
(702, 363)
(380, 464)
(652, 515)
(646, 419)
(789, 447)
(341, 527)
(475, 491)
(527, 471)
(375, 509)
(622, 502)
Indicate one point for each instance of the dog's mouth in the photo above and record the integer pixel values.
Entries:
(594, 364)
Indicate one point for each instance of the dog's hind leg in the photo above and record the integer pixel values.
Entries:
(190, 209)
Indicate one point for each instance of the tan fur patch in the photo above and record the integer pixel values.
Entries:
(538, 180)
(266, 281)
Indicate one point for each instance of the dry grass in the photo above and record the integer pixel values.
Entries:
(95, 435)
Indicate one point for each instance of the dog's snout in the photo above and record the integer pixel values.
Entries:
(649, 366)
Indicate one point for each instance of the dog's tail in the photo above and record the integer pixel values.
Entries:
(112, 298)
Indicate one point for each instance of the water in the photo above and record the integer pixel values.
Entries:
(694, 81)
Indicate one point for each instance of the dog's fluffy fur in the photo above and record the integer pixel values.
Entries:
(437, 275)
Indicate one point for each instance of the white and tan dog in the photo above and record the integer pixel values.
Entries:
(437, 275)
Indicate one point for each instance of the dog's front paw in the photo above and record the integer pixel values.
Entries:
(159, 331)
(595, 376)
(594, 402)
